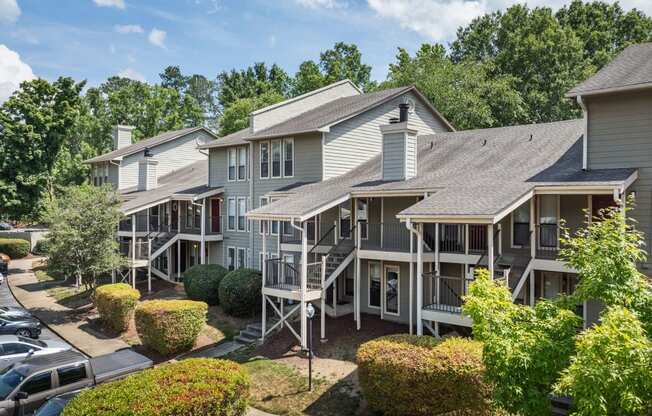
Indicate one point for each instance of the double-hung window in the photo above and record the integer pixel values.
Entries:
(263, 202)
(276, 158)
(189, 214)
(242, 163)
(242, 210)
(264, 160)
(288, 158)
(231, 214)
(232, 159)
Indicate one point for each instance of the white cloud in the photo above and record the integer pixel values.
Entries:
(157, 37)
(132, 74)
(322, 4)
(439, 19)
(120, 4)
(13, 71)
(9, 11)
(128, 29)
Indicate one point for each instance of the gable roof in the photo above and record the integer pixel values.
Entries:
(323, 116)
(150, 142)
(630, 70)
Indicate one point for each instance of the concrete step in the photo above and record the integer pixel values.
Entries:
(245, 338)
(252, 333)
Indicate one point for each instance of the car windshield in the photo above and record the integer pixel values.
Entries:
(10, 378)
(34, 342)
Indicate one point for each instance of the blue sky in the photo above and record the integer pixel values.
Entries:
(94, 39)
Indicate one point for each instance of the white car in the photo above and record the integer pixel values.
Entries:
(14, 347)
(14, 311)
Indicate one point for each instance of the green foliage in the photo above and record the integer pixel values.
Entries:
(116, 304)
(170, 326)
(37, 120)
(252, 82)
(81, 240)
(240, 292)
(611, 373)
(15, 248)
(202, 282)
(525, 348)
(236, 116)
(41, 248)
(196, 386)
(410, 375)
(203, 90)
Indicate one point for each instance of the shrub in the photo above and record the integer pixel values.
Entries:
(198, 386)
(240, 292)
(202, 282)
(410, 375)
(41, 247)
(15, 248)
(115, 304)
(170, 326)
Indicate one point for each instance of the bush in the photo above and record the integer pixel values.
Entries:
(41, 247)
(198, 386)
(170, 326)
(240, 292)
(202, 282)
(15, 248)
(116, 304)
(410, 375)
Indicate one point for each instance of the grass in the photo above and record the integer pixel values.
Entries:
(61, 290)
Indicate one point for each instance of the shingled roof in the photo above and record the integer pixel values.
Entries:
(630, 70)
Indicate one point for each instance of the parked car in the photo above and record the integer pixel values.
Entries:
(13, 348)
(26, 385)
(4, 265)
(55, 405)
(20, 325)
(5, 226)
(2, 278)
(14, 311)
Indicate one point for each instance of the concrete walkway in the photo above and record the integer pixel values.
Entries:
(68, 323)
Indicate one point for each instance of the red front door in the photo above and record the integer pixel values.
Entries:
(215, 216)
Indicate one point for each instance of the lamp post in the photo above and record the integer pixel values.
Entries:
(310, 313)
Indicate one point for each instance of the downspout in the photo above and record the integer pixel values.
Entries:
(585, 135)
(408, 225)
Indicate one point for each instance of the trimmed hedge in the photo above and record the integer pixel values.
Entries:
(42, 247)
(170, 326)
(410, 375)
(198, 386)
(202, 282)
(240, 292)
(116, 304)
(15, 248)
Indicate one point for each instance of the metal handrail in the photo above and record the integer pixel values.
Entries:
(330, 230)
(486, 252)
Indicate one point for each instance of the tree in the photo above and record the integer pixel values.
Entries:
(308, 78)
(203, 90)
(171, 77)
(250, 83)
(236, 116)
(37, 122)
(81, 240)
(345, 61)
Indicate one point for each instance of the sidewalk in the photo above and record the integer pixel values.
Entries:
(69, 324)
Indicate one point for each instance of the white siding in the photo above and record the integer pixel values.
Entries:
(394, 156)
(410, 156)
(358, 139)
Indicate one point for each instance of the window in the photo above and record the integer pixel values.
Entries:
(231, 214)
(391, 289)
(521, 226)
(374, 285)
(197, 215)
(231, 155)
(276, 159)
(189, 214)
(242, 163)
(242, 258)
(38, 383)
(264, 160)
(72, 374)
(345, 220)
(548, 211)
(15, 348)
(263, 202)
(230, 258)
(242, 210)
(362, 217)
(194, 253)
(288, 157)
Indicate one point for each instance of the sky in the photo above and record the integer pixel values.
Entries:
(95, 39)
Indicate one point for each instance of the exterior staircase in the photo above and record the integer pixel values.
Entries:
(252, 333)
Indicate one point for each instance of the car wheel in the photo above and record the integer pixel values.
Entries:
(24, 333)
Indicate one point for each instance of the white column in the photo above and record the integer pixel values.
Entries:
(466, 239)
(410, 303)
(532, 283)
(323, 296)
(437, 249)
(533, 233)
(202, 246)
(357, 284)
(263, 225)
(178, 259)
(490, 249)
(500, 239)
(419, 278)
(304, 284)
(169, 256)
(149, 265)
(133, 251)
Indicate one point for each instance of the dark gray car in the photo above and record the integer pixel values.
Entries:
(54, 406)
(20, 325)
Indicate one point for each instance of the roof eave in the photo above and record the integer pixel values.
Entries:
(612, 90)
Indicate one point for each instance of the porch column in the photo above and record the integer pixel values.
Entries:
(169, 257)
(149, 265)
(437, 249)
(133, 251)
(532, 287)
(356, 304)
(304, 284)
(500, 239)
(419, 278)
(490, 249)
(263, 225)
(178, 259)
(411, 277)
(533, 234)
(323, 298)
(202, 246)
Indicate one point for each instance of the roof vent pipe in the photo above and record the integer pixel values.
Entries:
(403, 112)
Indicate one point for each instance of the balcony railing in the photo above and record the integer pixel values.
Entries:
(287, 276)
(448, 293)
(141, 249)
(451, 238)
(290, 235)
(547, 241)
(477, 238)
(386, 237)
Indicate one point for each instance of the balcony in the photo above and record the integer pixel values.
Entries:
(290, 235)
(547, 241)
(138, 251)
(385, 237)
(448, 298)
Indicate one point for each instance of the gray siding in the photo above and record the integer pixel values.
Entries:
(404, 292)
(620, 136)
(410, 156)
(356, 140)
(393, 156)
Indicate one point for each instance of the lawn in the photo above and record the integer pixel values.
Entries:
(63, 291)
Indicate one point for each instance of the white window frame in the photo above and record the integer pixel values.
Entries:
(384, 290)
(229, 151)
(283, 154)
(242, 200)
(260, 160)
(380, 268)
(280, 170)
(235, 255)
(228, 214)
(260, 222)
(241, 150)
(357, 219)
